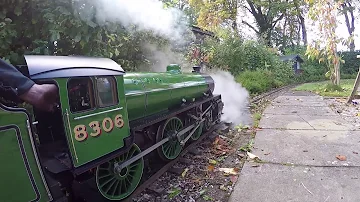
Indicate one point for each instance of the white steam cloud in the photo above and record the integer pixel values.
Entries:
(234, 96)
(146, 15)
(150, 15)
(161, 57)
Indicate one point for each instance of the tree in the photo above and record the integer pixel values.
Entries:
(323, 13)
(347, 9)
(267, 15)
(214, 14)
(301, 8)
(67, 27)
(291, 30)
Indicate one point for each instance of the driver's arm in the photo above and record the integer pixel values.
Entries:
(13, 85)
(12, 82)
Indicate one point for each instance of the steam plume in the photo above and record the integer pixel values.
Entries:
(146, 15)
(234, 96)
(150, 15)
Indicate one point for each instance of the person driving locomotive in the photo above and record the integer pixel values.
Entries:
(14, 85)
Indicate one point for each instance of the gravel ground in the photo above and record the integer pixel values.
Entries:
(349, 112)
(210, 172)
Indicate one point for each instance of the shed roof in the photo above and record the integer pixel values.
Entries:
(291, 57)
(46, 66)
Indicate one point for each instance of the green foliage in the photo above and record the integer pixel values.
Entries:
(326, 88)
(315, 71)
(312, 69)
(66, 27)
(351, 65)
(258, 81)
(257, 67)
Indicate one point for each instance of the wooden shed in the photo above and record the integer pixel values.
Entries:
(296, 59)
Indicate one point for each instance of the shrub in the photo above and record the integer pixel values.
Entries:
(351, 65)
(258, 81)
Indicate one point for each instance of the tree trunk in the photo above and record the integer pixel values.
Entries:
(284, 39)
(303, 28)
(337, 72)
(349, 24)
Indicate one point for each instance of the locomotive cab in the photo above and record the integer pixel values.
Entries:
(90, 125)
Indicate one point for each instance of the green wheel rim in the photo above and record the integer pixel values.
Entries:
(172, 148)
(198, 132)
(115, 185)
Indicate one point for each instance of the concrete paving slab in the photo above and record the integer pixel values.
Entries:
(308, 147)
(307, 110)
(328, 122)
(274, 121)
(278, 183)
(299, 93)
(297, 132)
(284, 98)
(314, 101)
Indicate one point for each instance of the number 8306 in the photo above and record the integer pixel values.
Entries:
(107, 125)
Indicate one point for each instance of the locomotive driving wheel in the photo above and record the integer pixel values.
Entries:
(171, 149)
(116, 184)
(198, 132)
(208, 120)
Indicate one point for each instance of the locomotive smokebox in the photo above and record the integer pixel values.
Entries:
(196, 69)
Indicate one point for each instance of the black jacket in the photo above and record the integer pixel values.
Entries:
(12, 82)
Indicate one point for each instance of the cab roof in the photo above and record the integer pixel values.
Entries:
(46, 66)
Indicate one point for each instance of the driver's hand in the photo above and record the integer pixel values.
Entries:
(43, 97)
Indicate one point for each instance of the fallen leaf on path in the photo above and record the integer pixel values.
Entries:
(211, 168)
(256, 165)
(252, 156)
(202, 192)
(223, 187)
(223, 137)
(234, 178)
(183, 174)
(231, 171)
(341, 157)
(241, 155)
(174, 192)
(213, 162)
(267, 153)
(207, 198)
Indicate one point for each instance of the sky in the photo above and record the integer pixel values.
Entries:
(312, 31)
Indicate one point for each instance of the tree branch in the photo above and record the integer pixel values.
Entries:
(252, 7)
(352, 18)
(247, 8)
(253, 28)
(277, 20)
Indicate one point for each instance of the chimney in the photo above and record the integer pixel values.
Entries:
(196, 69)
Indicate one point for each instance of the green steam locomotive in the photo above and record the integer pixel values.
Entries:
(107, 123)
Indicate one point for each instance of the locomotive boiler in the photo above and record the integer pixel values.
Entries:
(105, 126)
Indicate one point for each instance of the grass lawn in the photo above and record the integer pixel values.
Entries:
(325, 88)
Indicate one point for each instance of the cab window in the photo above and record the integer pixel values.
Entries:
(81, 94)
(106, 91)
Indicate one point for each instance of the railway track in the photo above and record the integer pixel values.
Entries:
(169, 165)
(258, 98)
(213, 131)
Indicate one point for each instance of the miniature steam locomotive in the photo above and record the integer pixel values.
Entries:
(107, 123)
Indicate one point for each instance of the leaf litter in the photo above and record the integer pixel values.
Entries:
(211, 176)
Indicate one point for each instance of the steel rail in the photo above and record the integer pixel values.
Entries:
(256, 99)
(166, 167)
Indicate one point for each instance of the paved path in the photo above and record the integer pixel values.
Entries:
(300, 140)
